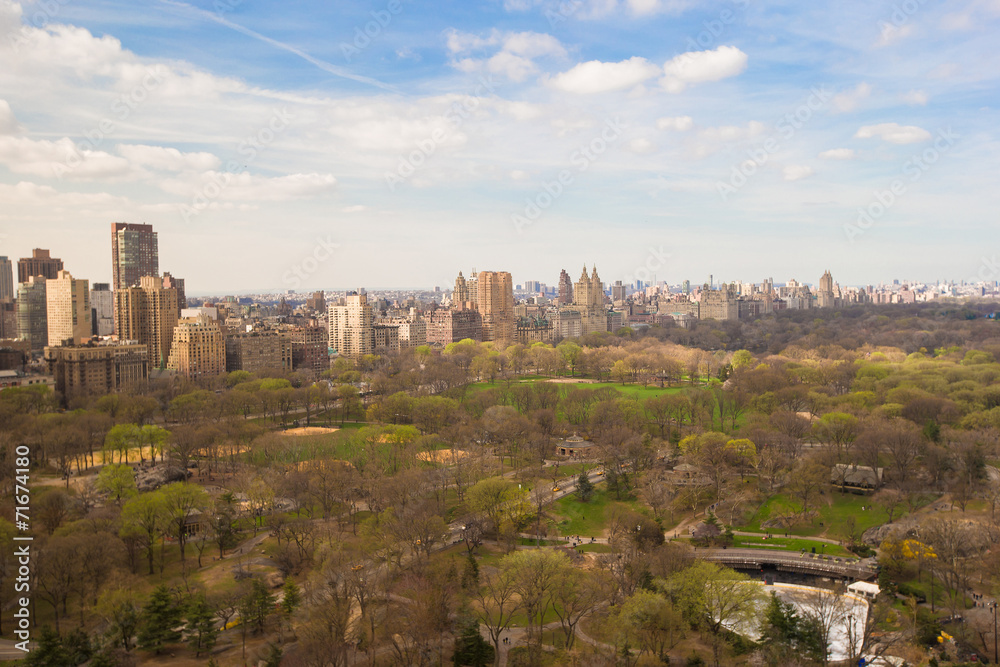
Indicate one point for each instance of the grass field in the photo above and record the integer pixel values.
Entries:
(589, 519)
(790, 544)
(834, 512)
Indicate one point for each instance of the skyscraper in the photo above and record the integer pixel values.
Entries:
(6, 279)
(588, 299)
(351, 325)
(67, 309)
(565, 289)
(825, 298)
(198, 348)
(134, 254)
(39, 264)
(178, 284)
(496, 304)
(148, 314)
(461, 293)
(102, 309)
(32, 315)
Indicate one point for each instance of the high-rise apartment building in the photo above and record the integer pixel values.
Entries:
(97, 369)
(148, 314)
(198, 348)
(826, 298)
(588, 299)
(495, 302)
(317, 302)
(452, 325)
(134, 254)
(258, 351)
(565, 289)
(67, 309)
(618, 291)
(309, 348)
(461, 293)
(6, 279)
(178, 284)
(102, 309)
(351, 326)
(39, 264)
(32, 313)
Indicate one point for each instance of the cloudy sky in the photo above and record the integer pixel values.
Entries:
(300, 145)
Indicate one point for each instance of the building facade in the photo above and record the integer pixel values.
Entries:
(97, 369)
(148, 314)
(310, 347)
(41, 263)
(67, 309)
(258, 351)
(495, 301)
(6, 279)
(452, 325)
(134, 254)
(32, 313)
(102, 309)
(198, 348)
(351, 325)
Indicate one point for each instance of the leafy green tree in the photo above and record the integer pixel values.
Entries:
(181, 501)
(274, 654)
(118, 481)
(584, 488)
(470, 574)
(144, 516)
(50, 651)
(291, 600)
(121, 439)
(159, 620)
(470, 647)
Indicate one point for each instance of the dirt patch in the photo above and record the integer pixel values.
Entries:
(447, 456)
(310, 430)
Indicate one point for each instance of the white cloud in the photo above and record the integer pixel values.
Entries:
(647, 7)
(515, 58)
(357, 208)
(249, 187)
(730, 133)
(849, 99)
(891, 33)
(837, 154)
(518, 175)
(640, 146)
(168, 159)
(944, 71)
(676, 123)
(58, 159)
(600, 77)
(917, 98)
(894, 133)
(794, 172)
(26, 193)
(8, 123)
(702, 66)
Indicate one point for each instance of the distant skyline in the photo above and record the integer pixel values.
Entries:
(397, 142)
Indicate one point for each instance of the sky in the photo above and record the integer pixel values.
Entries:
(308, 145)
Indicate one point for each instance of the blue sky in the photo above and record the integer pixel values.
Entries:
(278, 146)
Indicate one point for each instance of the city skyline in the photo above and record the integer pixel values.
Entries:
(734, 138)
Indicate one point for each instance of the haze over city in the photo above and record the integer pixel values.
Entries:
(745, 140)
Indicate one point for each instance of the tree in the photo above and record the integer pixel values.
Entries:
(500, 501)
(159, 620)
(144, 517)
(470, 647)
(807, 481)
(118, 605)
(118, 481)
(584, 487)
(290, 601)
(256, 605)
(200, 625)
(652, 622)
(181, 501)
(495, 605)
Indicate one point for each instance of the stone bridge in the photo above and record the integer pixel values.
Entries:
(789, 561)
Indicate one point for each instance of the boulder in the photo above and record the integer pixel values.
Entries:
(150, 479)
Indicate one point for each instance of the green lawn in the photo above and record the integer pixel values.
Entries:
(574, 517)
(834, 512)
(790, 544)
